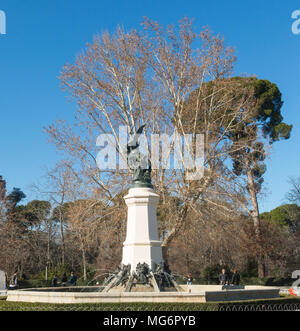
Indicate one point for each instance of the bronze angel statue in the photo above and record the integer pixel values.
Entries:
(138, 162)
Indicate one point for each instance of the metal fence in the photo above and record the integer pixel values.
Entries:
(229, 307)
(262, 307)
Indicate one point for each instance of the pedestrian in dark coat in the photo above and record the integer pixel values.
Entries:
(236, 278)
(224, 278)
(54, 281)
(73, 279)
(64, 279)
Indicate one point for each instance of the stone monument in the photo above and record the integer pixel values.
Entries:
(142, 244)
(142, 262)
(143, 276)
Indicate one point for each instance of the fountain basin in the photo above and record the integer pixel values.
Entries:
(189, 294)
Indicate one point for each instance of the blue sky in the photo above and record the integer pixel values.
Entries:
(42, 35)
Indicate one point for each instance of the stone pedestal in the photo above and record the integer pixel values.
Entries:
(142, 244)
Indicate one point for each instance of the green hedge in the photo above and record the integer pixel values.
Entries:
(21, 306)
(34, 283)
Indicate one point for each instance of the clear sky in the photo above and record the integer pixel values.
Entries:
(42, 35)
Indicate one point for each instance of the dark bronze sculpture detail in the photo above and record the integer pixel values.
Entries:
(119, 276)
(138, 162)
(123, 275)
(163, 276)
(142, 274)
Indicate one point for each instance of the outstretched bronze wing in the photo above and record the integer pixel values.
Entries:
(133, 143)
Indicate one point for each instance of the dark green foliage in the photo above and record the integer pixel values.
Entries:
(284, 216)
(251, 269)
(273, 281)
(40, 209)
(60, 213)
(211, 273)
(39, 279)
(268, 108)
(31, 214)
(2, 188)
(249, 153)
(35, 283)
(15, 197)
(58, 270)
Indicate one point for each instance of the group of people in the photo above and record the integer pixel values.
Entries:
(224, 278)
(13, 283)
(64, 280)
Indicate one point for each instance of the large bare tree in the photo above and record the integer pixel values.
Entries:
(294, 193)
(135, 77)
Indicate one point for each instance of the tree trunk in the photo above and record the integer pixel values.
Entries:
(261, 266)
(256, 222)
(62, 238)
(165, 254)
(48, 252)
(84, 264)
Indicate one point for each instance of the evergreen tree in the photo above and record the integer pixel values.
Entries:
(249, 143)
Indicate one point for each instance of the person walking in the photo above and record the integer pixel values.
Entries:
(236, 278)
(64, 279)
(54, 281)
(189, 279)
(73, 279)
